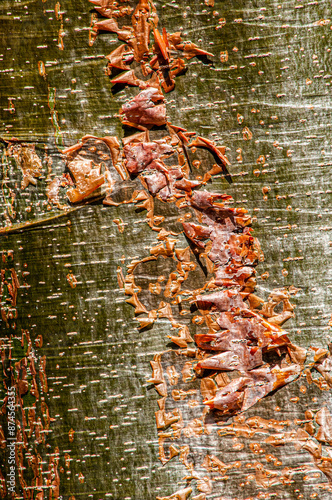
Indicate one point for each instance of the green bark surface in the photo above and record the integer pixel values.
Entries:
(276, 82)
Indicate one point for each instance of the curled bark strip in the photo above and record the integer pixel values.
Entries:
(121, 58)
(87, 179)
(144, 110)
(218, 153)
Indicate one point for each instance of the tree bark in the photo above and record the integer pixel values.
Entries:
(86, 426)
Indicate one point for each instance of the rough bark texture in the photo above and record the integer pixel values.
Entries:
(266, 97)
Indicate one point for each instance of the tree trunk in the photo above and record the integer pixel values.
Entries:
(83, 424)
